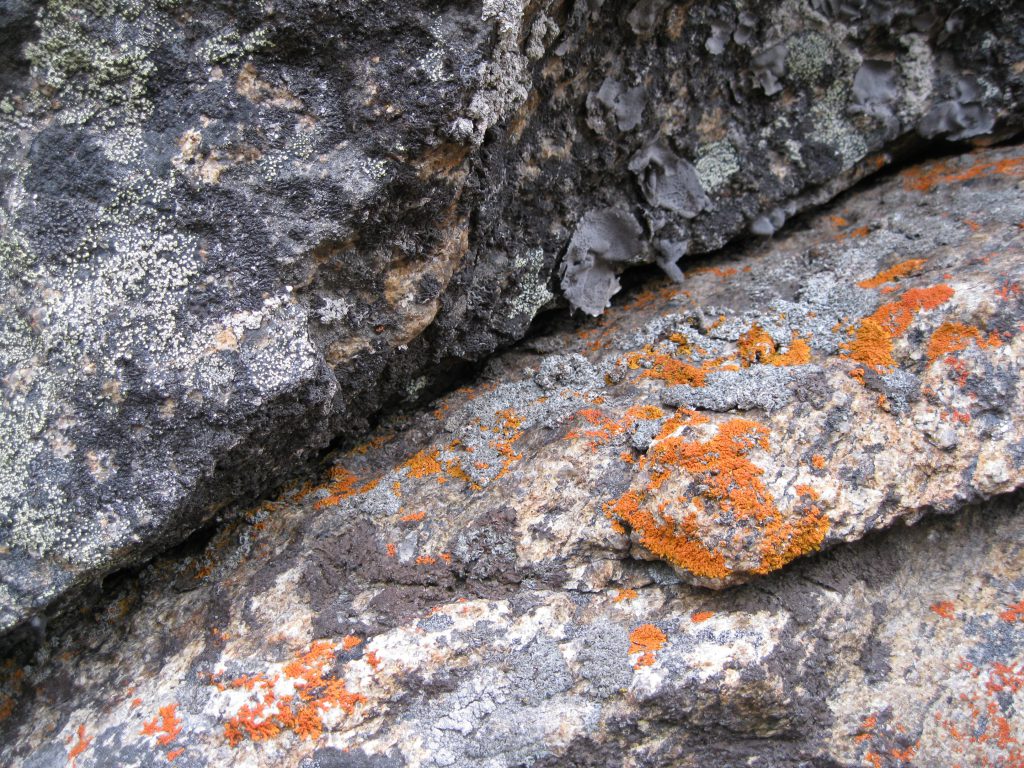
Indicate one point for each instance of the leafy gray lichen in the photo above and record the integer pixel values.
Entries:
(603, 242)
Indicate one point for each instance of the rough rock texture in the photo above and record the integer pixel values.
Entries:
(516, 576)
(230, 232)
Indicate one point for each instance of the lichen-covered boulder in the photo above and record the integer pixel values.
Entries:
(230, 232)
(516, 575)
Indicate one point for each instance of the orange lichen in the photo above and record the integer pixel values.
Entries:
(757, 346)
(316, 691)
(799, 353)
(1013, 613)
(373, 660)
(675, 372)
(784, 542)
(926, 178)
(412, 517)
(730, 484)
(80, 746)
(872, 344)
(424, 464)
(166, 726)
(343, 485)
(644, 413)
(645, 640)
(808, 491)
(944, 608)
(624, 594)
(425, 560)
(699, 617)
(391, 549)
(818, 461)
(893, 273)
(174, 754)
(350, 641)
(953, 337)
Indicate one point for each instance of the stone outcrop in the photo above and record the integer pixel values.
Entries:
(230, 233)
(518, 574)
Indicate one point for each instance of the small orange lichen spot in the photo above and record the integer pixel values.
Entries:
(174, 754)
(412, 517)
(1014, 613)
(818, 461)
(392, 549)
(646, 639)
(81, 745)
(755, 345)
(893, 273)
(624, 594)
(166, 726)
(644, 413)
(446, 556)
(136, 703)
(350, 641)
(699, 617)
(944, 608)
(839, 221)
(373, 659)
(674, 372)
(425, 560)
(808, 491)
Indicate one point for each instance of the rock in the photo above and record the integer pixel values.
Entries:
(232, 233)
(516, 575)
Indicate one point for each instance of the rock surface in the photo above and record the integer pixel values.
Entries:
(517, 575)
(232, 232)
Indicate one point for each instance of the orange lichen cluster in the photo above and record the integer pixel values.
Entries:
(944, 608)
(925, 178)
(1013, 613)
(893, 273)
(645, 640)
(980, 733)
(424, 464)
(80, 746)
(730, 484)
(344, 484)
(624, 594)
(881, 752)
(757, 346)
(953, 337)
(607, 428)
(165, 726)
(699, 617)
(818, 461)
(270, 715)
(412, 517)
(675, 372)
(872, 343)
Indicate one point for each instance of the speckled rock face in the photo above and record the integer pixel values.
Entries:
(231, 232)
(519, 574)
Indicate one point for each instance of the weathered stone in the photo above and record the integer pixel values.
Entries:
(469, 587)
(232, 232)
